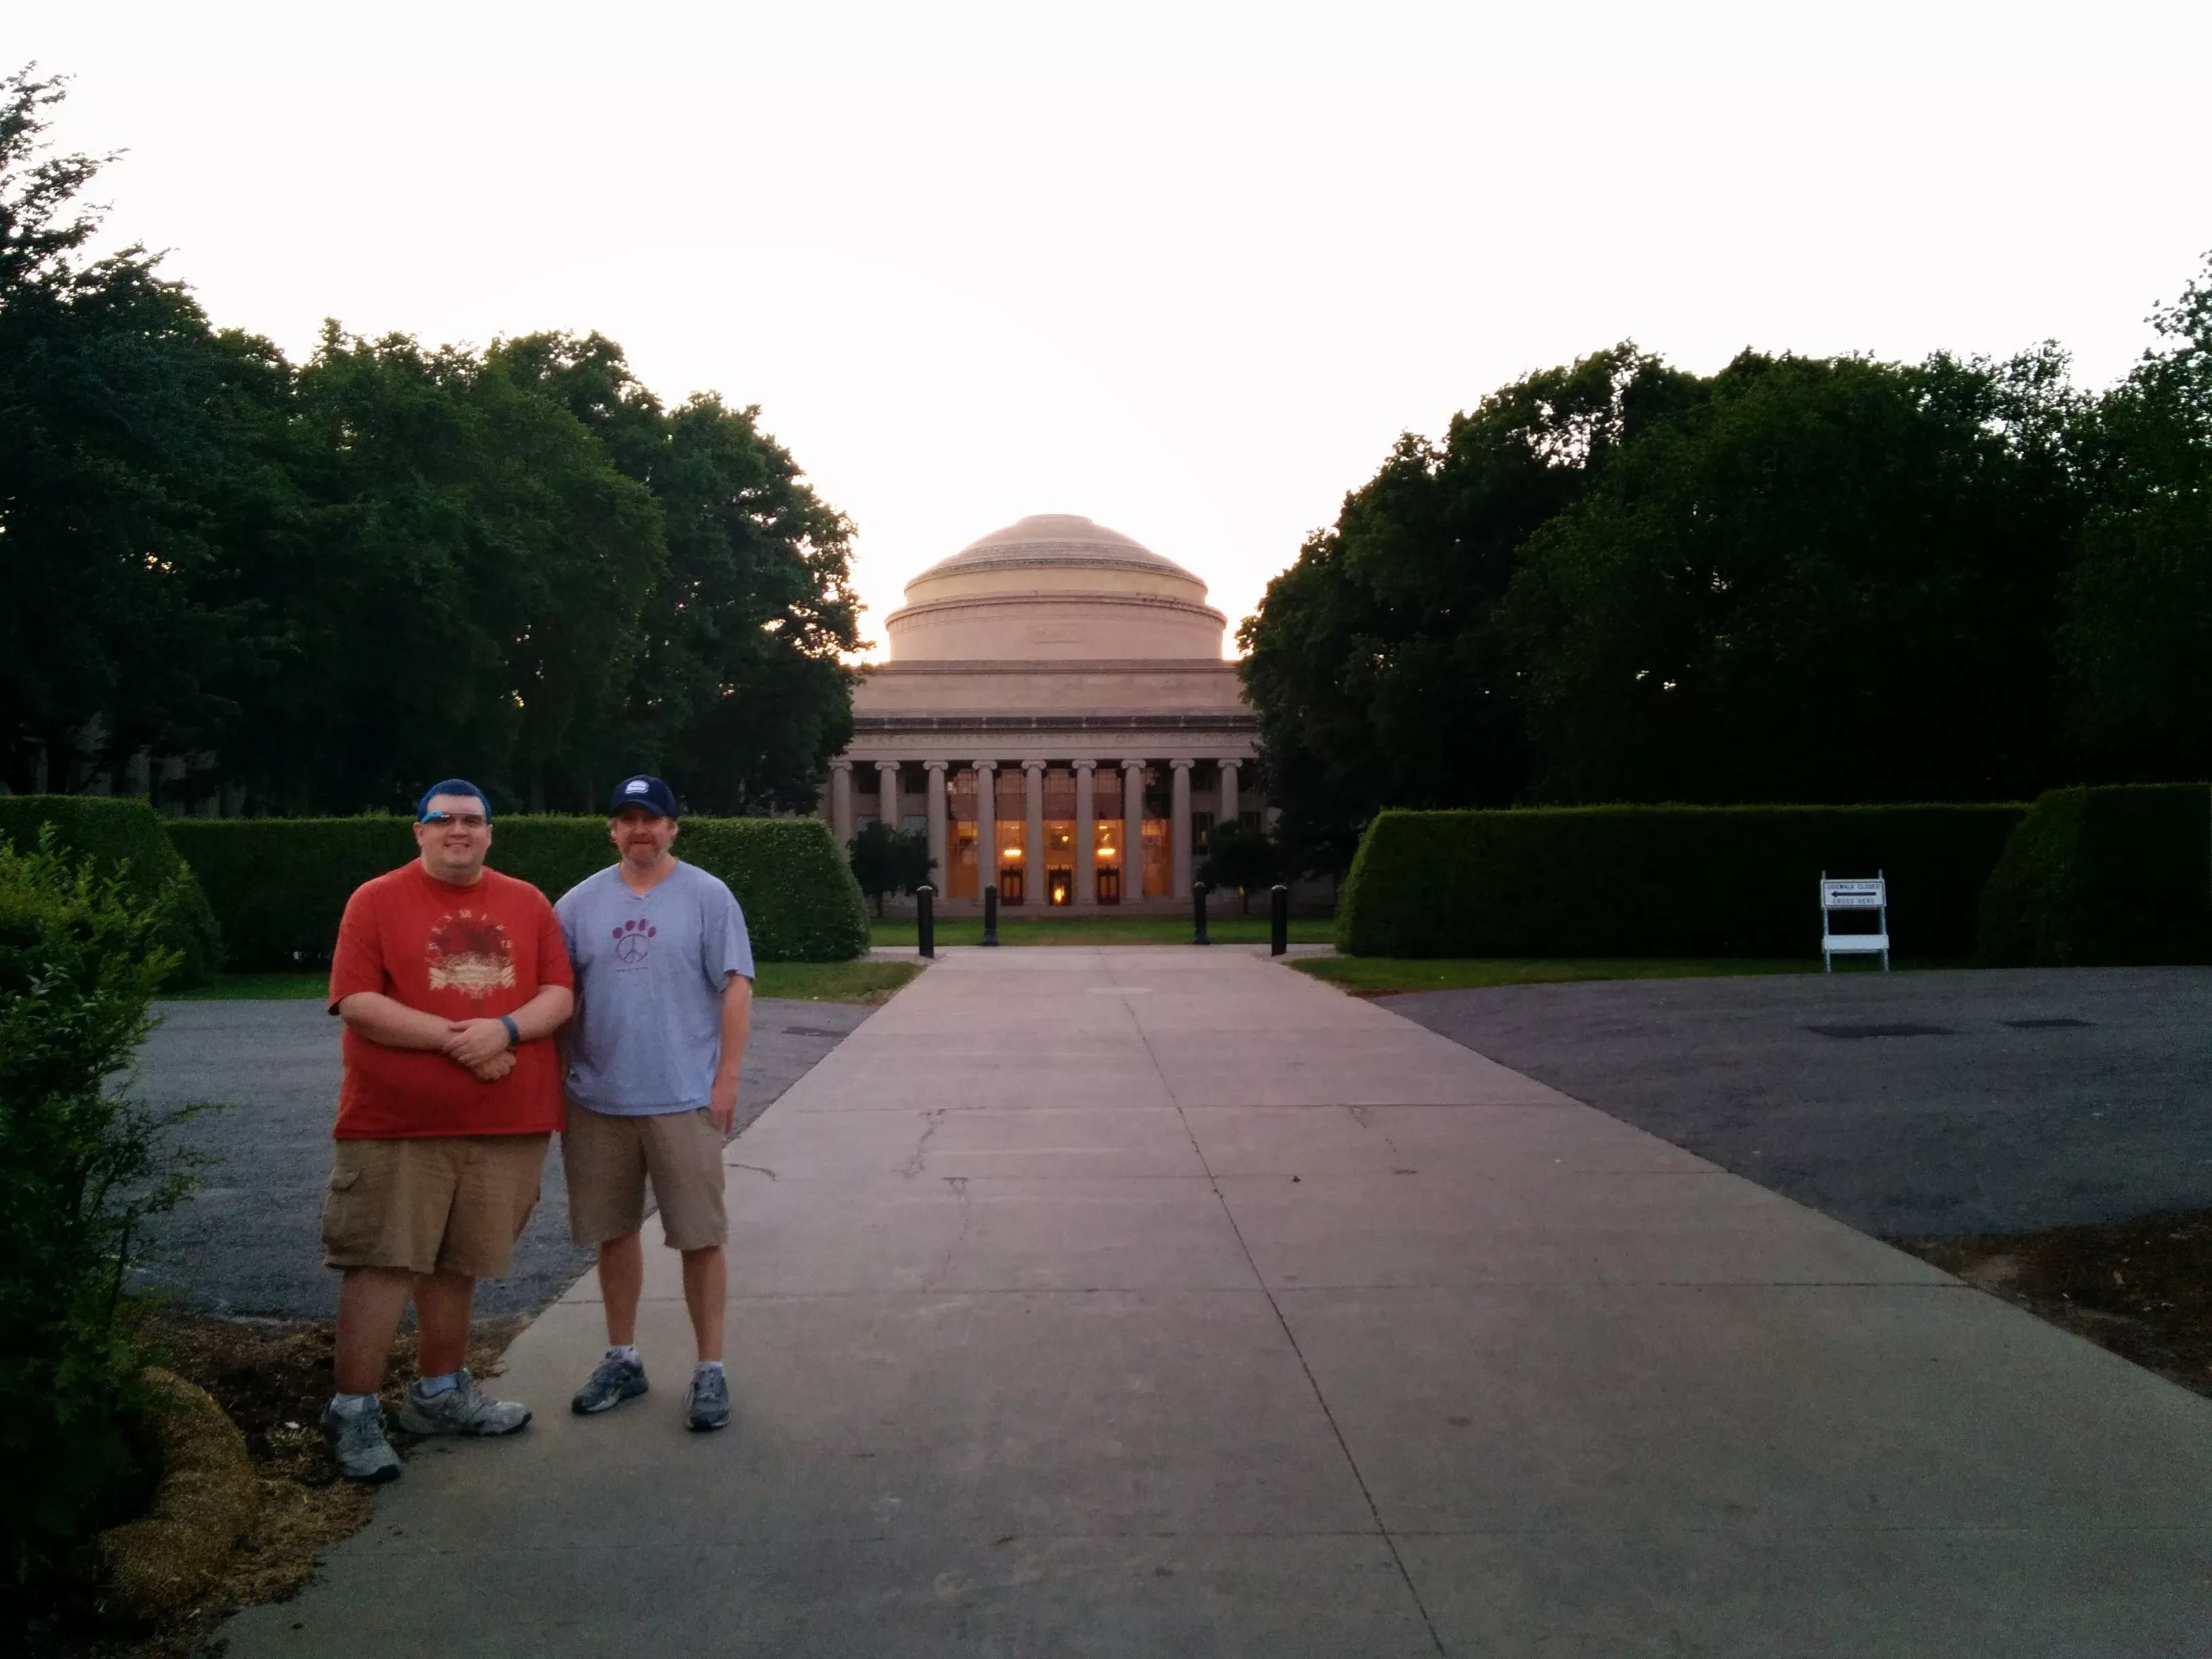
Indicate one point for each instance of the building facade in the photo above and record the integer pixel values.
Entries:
(1056, 716)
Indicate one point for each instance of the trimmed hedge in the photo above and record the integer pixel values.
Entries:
(2107, 875)
(280, 884)
(116, 829)
(1660, 881)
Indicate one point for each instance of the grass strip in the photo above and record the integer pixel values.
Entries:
(1381, 976)
(865, 981)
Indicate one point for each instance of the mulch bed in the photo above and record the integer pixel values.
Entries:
(2142, 1288)
(273, 1377)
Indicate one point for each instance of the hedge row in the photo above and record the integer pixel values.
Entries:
(280, 885)
(119, 830)
(2119, 874)
(1667, 881)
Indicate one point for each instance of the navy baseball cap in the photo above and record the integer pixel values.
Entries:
(650, 792)
(452, 787)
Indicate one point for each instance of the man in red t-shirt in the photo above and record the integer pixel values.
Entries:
(452, 980)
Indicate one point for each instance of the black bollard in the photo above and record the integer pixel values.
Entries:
(1198, 914)
(925, 919)
(991, 914)
(1279, 921)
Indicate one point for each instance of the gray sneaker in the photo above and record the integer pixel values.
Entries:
(708, 1404)
(612, 1381)
(463, 1410)
(357, 1444)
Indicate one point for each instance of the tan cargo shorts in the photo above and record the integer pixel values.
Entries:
(449, 1203)
(609, 1158)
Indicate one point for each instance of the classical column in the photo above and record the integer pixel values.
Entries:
(1179, 827)
(1033, 887)
(940, 864)
(987, 826)
(1087, 834)
(887, 781)
(1132, 830)
(840, 803)
(1228, 812)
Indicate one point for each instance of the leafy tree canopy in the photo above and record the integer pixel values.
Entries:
(318, 585)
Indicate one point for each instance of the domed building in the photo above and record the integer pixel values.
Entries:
(1056, 714)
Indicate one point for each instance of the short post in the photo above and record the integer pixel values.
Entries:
(991, 914)
(925, 919)
(1279, 920)
(1198, 914)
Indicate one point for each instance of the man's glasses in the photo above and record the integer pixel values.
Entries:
(466, 820)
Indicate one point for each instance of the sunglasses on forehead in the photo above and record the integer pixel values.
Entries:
(466, 820)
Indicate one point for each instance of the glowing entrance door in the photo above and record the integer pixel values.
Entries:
(1106, 869)
(1059, 859)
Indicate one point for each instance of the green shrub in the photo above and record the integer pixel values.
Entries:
(1667, 881)
(118, 831)
(280, 884)
(80, 957)
(2118, 874)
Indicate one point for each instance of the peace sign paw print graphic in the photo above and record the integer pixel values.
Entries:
(634, 941)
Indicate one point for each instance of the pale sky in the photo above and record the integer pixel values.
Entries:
(1186, 268)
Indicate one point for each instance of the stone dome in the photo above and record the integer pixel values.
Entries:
(1054, 586)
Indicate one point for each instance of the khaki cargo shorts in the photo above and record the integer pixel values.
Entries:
(450, 1203)
(609, 1158)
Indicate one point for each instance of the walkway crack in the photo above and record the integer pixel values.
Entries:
(757, 1168)
(959, 1185)
(1359, 1115)
(920, 1155)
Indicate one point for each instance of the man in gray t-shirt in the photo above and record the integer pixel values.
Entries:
(664, 1002)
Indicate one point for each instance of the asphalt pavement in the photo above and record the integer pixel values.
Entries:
(248, 1240)
(1949, 1103)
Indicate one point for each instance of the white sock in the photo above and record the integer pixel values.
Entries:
(710, 1364)
(626, 1352)
(431, 1387)
(352, 1405)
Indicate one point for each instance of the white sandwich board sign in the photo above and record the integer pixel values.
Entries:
(1851, 895)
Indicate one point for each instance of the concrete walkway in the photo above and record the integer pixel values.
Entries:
(1165, 1301)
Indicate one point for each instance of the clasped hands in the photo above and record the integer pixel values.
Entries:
(481, 1046)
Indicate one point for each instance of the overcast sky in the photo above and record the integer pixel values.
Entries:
(1186, 269)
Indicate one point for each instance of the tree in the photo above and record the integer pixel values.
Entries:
(319, 586)
(1827, 580)
(1375, 663)
(887, 861)
(1241, 858)
(2136, 640)
(738, 685)
(117, 398)
(463, 591)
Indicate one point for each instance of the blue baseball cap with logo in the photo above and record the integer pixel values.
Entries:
(648, 792)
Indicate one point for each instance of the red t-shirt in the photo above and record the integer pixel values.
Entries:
(462, 953)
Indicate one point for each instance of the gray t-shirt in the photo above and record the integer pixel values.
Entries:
(650, 972)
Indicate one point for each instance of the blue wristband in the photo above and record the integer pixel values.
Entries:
(513, 1031)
